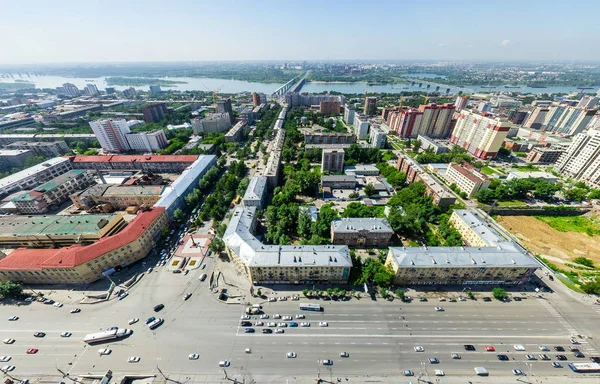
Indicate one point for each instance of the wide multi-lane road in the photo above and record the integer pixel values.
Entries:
(380, 336)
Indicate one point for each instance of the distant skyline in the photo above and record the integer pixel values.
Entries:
(65, 31)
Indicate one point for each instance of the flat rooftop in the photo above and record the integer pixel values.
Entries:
(16, 225)
(134, 190)
(480, 226)
(31, 171)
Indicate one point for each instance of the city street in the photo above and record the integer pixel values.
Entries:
(380, 336)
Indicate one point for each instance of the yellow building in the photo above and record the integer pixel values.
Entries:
(119, 196)
(475, 231)
(79, 264)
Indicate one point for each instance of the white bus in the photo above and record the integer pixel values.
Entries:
(155, 323)
(585, 367)
(100, 336)
(310, 307)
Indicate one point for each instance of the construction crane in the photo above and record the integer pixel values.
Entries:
(215, 94)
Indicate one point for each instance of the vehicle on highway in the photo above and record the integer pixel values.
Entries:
(277, 316)
(267, 330)
(293, 324)
(455, 356)
(578, 354)
(158, 307)
(279, 330)
(305, 324)
(249, 330)
(7, 368)
(133, 321)
(104, 351)
(323, 324)
(133, 359)
(531, 357)
(283, 298)
(439, 309)
(503, 358)
(544, 348)
(202, 277)
(295, 298)
(187, 296)
(481, 371)
(544, 357)
(433, 360)
(259, 324)
(4, 359)
(287, 318)
(561, 357)
(517, 372)
(408, 372)
(291, 355)
(224, 363)
(299, 316)
(490, 348)
(13, 318)
(9, 341)
(556, 364)
(310, 307)
(558, 348)
(193, 356)
(452, 300)
(75, 310)
(469, 347)
(155, 324)
(344, 354)
(327, 362)
(282, 324)
(100, 336)
(248, 350)
(264, 316)
(39, 334)
(585, 367)
(66, 334)
(31, 351)
(518, 347)
(439, 372)
(150, 319)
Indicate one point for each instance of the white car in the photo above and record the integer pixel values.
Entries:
(279, 330)
(323, 324)
(287, 318)
(133, 321)
(305, 324)
(13, 318)
(277, 316)
(517, 372)
(259, 324)
(224, 363)
(8, 341)
(283, 298)
(291, 355)
(271, 324)
(74, 310)
(544, 348)
(518, 347)
(462, 298)
(58, 305)
(272, 299)
(66, 334)
(439, 372)
(439, 309)
(282, 325)
(295, 298)
(327, 362)
(264, 316)
(8, 368)
(4, 359)
(133, 359)
(300, 317)
(419, 348)
(104, 351)
(344, 354)
(245, 317)
(193, 356)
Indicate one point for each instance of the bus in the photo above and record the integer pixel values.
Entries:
(99, 337)
(155, 324)
(585, 367)
(310, 307)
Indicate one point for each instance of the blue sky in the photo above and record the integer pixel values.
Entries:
(61, 31)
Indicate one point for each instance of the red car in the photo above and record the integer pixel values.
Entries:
(489, 348)
(32, 351)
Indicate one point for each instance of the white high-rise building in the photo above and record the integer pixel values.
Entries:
(581, 161)
(461, 102)
(481, 136)
(377, 137)
(349, 114)
(91, 90)
(111, 134)
(147, 141)
(361, 126)
(588, 102)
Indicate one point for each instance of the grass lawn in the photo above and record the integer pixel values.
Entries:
(412, 243)
(389, 155)
(525, 168)
(510, 203)
(570, 285)
(571, 224)
(487, 170)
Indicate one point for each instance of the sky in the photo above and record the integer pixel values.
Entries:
(64, 31)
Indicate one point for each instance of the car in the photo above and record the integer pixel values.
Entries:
(517, 372)
(13, 318)
(112, 328)
(133, 321)
(29, 299)
(58, 305)
(344, 354)
(271, 324)
(543, 348)
(291, 355)
(39, 334)
(531, 357)
(460, 298)
(245, 323)
(47, 301)
(323, 324)
(7, 368)
(305, 324)
(150, 319)
(186, 272)
(419, 348)
(272, 299)
(123, 296)
(517, 298)
(574, 341)
(104, 351)
(259, 324)
(578, 354)
(544, 357)
(573, 349)
(452, 300)
(295, 298)
(561, 357)
(487, 299)
(293, 324)
(158, 307)
(595, 359)
(267, 330)
(439, 372)
(455, 356)
(202, 277)
(150, 270)
(408, 372)
(284, 325)
(518, 347)
(442, 299)
(439, 309)
(133, 359)
(193, 356)
(224, 363)
(490, 348)
(245, 317)
(187, 296)
(9, 341)
(423, 300)
(249, 330)
(277, 316)
(75, 310)
(283, 298)
(559, 349)
(300, 316)
(4, 359)
(327, 362)
(66, 334)
(556, 364)
(503, 358)
(469, 347)
(287, 318)
(264, 316)
(31, 351)
(433, 360)
(279, 330)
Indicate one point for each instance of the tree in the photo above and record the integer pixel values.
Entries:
(305, 292)
(11, 289)
(369, 189)
(584, 261)
(400, 294)
(178, 215)
(416, 145)
(259, 292)
(383, 292)
(576, 194)
(217, 246)
(499, 293)
(90, 152)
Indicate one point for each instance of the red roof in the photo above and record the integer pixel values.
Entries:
(136, 158)
(68, 257)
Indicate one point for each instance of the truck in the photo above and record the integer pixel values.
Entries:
(114, 334)
(480, 371)
(254, 309)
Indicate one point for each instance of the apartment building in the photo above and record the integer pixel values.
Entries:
(235, 133)
(150, 141)
(119, 197)
(53, 192)
(332, 160)
(466, 178)
(46, 149)
(312, 136)
(474, 229)
(436, 120)
(461, 102)
(338, 181)
(349, 114)
(436, 147)
(14, 158)
(111, 134)
(149, 163)
(153, 113)
(361, 126)
(377, 137)
(370, 107)
(480, 135)
(214, 122)
(442, 196)
(256, 193)
(544, 155)
(329, 108)
(361, 232)
(224, 106)
(33, 176)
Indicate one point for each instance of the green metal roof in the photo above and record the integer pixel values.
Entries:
(50, 185)
(16, 225)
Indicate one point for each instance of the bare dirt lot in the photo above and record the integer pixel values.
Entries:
(557, 246)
